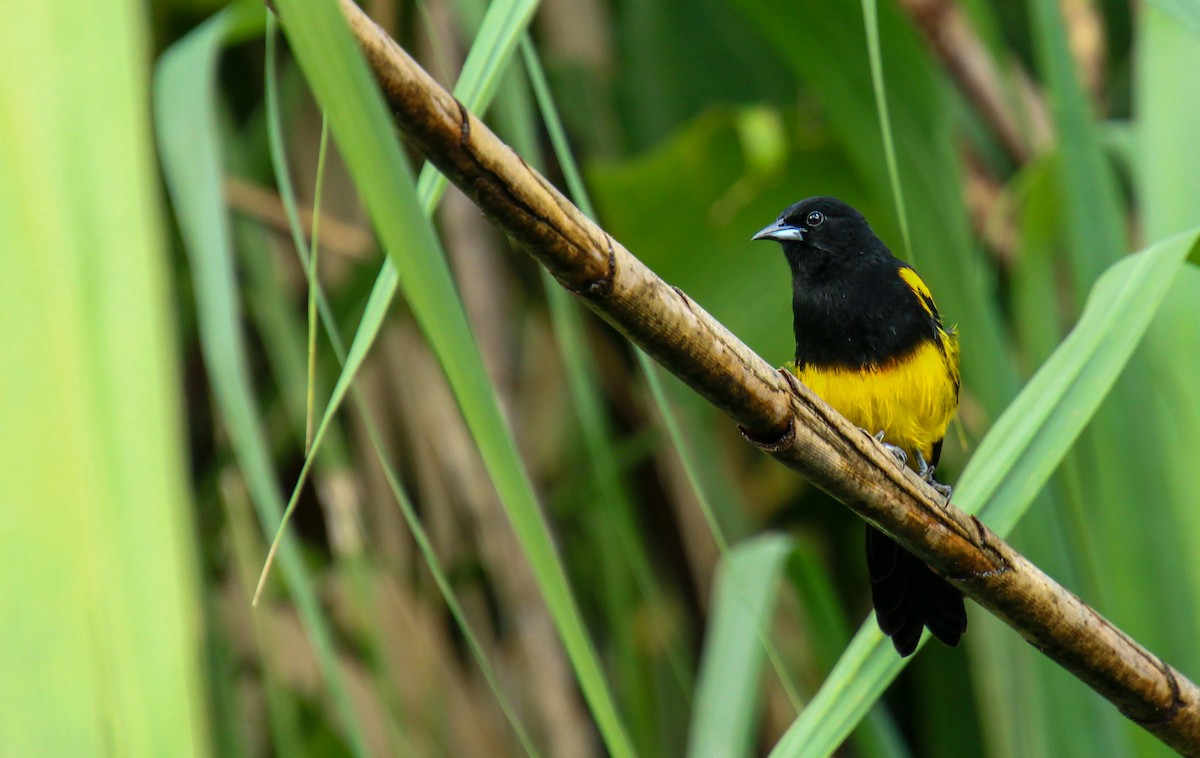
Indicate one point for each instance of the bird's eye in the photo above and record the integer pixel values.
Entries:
(815, 218)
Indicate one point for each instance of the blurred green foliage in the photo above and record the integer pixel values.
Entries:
(666, 589)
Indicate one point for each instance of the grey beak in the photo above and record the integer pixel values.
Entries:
(780, 232)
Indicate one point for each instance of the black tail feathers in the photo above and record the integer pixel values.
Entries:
(908, 596)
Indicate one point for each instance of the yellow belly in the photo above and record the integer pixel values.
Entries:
(911, 400)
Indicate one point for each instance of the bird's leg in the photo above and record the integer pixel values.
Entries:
(925, 471)
(897, 452)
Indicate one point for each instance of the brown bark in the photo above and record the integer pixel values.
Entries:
(775, 411)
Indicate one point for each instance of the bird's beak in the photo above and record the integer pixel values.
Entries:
(780, 232)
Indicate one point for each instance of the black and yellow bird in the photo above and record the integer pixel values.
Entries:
(871, 343)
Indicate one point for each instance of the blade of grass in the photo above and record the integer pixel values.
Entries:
(1013, 462)
(283, 181)
(266, 293)
(315, 236)
(728, 686)
(875, 57)
(631, 587)
(616, 512)
(334, 68)
(187, 126)
(632, 594)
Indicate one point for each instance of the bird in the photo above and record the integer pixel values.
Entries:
(871, 342)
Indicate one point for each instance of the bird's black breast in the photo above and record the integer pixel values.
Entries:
(858, 318)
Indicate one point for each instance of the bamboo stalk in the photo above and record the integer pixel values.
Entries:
(773, 410)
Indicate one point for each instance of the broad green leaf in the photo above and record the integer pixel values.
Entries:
(878, 734)
(101, 625)
(727, 702)
(1186, 17)
(1024, 446)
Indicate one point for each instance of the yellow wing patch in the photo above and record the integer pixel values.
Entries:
(947, 337)
(917, 285)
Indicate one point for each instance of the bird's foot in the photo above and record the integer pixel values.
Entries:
(925, 471)
(897, 452)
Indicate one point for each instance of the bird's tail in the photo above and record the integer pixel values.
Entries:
(907, 596)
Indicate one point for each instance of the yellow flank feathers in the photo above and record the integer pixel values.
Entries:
(911, 398)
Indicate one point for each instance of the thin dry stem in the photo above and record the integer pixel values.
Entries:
(337, 236)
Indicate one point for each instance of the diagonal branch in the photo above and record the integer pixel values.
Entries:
(773, 410)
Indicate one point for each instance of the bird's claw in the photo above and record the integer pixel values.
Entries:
(925, 471)
(897, 452)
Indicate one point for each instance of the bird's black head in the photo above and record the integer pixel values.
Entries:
(823, 232)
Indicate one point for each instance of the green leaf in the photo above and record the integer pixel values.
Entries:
(101, 624)
(1186, 15)
(1093, 213)
(829, 629)
(729, 688)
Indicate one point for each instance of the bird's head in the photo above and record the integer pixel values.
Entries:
(820, 225)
